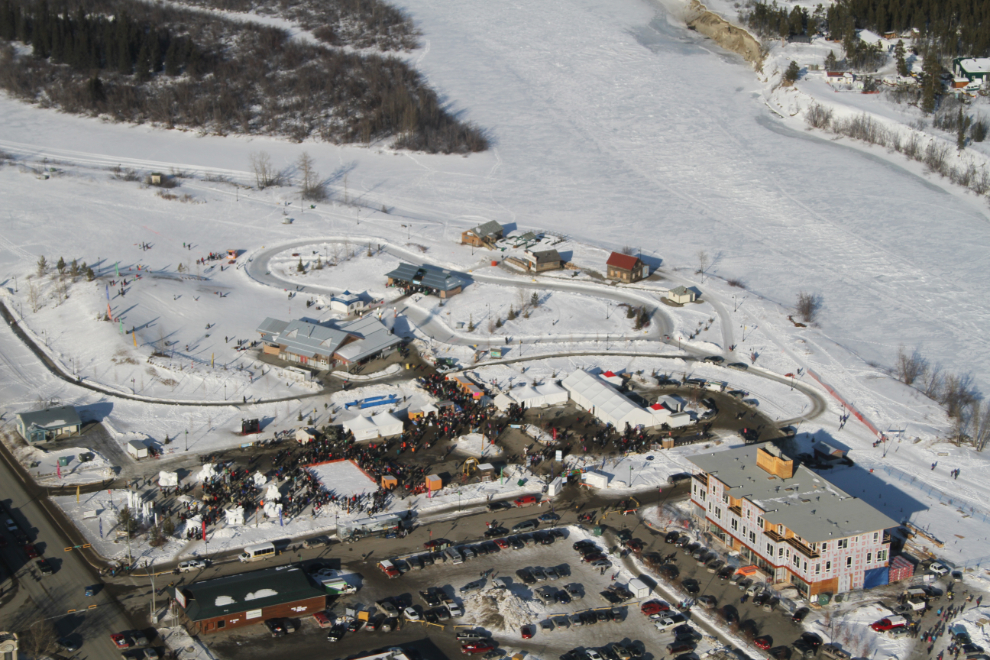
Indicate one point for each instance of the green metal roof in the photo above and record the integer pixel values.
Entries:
(248, 591)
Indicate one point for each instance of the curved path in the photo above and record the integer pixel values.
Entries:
(434, 327)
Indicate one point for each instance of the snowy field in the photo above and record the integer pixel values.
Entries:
(595, 137)
(344, 478)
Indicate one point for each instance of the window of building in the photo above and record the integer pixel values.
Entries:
(882, 556)
(759, 522)
(876, 536)
(842, 544)
(780, 529)
(849, 562)
(725, 498)
(744, 531)
(818, 569)
(824, 547)
(710, 506)
(770, 549)
(734, 524)
(869, 557)
(805, 567)
(221, 623)
(695, 491)
(797, 561)
(718, 512)
(828, 567)
(780, 552)
(752, 537)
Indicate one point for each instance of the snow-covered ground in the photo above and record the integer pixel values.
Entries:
(344, 478)
(623, 129)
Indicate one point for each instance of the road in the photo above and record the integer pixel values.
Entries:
(60, 597)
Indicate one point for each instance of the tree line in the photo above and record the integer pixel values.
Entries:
(137, 62)
(94, 42)
(949, 27)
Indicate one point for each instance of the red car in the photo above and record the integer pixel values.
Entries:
(654, 607)
(889, 623)
(473, 648)
(436, 544)
(322, 620)
(32, 552)
(594, 556)
(526, 500)
(528, 632)
(389, 569)
(120, 641)
(764, 642)
(502, 543)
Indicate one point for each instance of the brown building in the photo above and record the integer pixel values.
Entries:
(246, 599)
(483, 235)
(540, 260)
(626, 268)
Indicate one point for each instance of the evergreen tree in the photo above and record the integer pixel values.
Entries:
(125, 60)
(793, 72)
(173, 63)
(143, 70)
(60, 266)
(96, 92)
(962, 124)
(902, 68)
(831, 64)
(90, 275)
(42, 265)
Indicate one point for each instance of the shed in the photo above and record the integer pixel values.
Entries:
(681, 295)
(434, 482)
(594, 479)
(347, 303)
(541, 260)
(486, 472)
(422, 411)
(672, 402)
(137, 449)
(484, 234)
(389, 482)
(638, 588)
(827, 450)
(45, 425)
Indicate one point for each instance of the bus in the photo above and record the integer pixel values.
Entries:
(257, 552)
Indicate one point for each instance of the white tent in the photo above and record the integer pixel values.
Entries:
(605, 402)
(553, 394)
(305, 436)
(672, 402)
(168, 479)
(367, 427)
(503, 401)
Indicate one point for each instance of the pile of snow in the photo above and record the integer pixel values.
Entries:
(475, 444)
(499, 610)
(261, 593)
(223, 601)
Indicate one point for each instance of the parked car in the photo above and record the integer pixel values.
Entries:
(525, 525)
(276, 627)
(191, 565)
(474, 648)
(888, 623)
(494, 532)
(601, 563)
(32, 552)
(670, 622)
(538, 574)
(548, 517)
(653, 607)
(472, 587)
(938, 568)
(526, 576)
(526, 500)
(121, 641)
(726, 573)
(763, 642)
(322, 620)
(584, 543)
(800, 614)
(671, 537)
(680, 646)
(336, 633)
(413, 613)
(498, 506)
(592, 556)
(44, 567)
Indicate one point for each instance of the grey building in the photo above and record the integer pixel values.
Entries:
(323, 346)
(428, 279)
(45, 425)
(484, 234)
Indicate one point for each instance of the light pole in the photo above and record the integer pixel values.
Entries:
(187, 439)
(630, 475)
(151, 573)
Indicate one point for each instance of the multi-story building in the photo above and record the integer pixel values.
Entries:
(790, 521)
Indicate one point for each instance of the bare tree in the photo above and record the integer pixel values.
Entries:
(628, 249)
(265, 174)
(979, 422)
(910, 367)
(34, 297)
(38, 641)
(702, 264)
(808, 306)
(312, 187)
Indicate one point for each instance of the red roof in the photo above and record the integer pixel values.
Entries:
(623, 261)
(608, 374)
(657, 406)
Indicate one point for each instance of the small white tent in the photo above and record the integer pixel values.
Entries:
(368, 427)
(503, 401)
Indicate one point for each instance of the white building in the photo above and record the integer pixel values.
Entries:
(602, 400)
(348, 303)
(369, 427)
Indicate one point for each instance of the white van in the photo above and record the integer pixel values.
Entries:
(257, 552)
(454, 555)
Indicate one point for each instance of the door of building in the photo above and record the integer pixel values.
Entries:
(844, 583)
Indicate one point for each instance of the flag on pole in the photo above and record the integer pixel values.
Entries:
(211, 360)
(121, 327)
(134, 337)
(108, 292)
(116, 269)
(204, 530)
(58, 469)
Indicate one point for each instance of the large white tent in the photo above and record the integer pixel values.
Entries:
(368, 427)
(605, 402)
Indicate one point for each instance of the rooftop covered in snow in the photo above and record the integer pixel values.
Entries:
(242, 592)
(806, 502)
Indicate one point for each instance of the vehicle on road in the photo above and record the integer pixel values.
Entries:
(322, 620)
(548, 517)
(888, 623)
(121, 641)
(800, 614)
(473, 648)
(592, 556)
(258, 552)
(472, 587)
(763, 642)
(525, 525)
(526, 500)
(498, 506)
(191, 565)
(436, 544)
(31, 551)
(44, 567)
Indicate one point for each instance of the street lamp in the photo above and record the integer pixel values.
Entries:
(187, 439)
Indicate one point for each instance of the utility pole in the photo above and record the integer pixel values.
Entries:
(151, 572)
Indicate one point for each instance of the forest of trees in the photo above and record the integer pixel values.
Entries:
(951, 27)
(138, 62)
